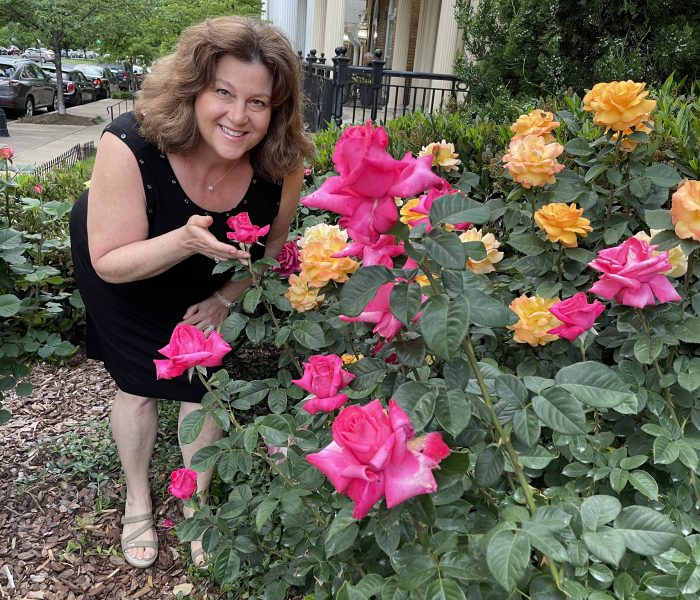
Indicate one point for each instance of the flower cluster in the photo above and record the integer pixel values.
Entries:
(443, 155)
(620, 106)
(537, 122)
(188, 348)
(535, 320)
(531, 161)
(375, 455)
(323, 377)
(562, 223)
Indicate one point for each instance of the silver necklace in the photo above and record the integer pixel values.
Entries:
(210, 186)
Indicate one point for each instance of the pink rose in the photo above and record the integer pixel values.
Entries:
(380, 253)
(369, 179)
(167, 524)
(183, 483)
(188, 347)
(426, 202)
(6, 153)
(243, 230)
(288, 258)
(308, 171)
(323, 377)
(576, 315)
(38, 189)
(373, 455)
(633, 275)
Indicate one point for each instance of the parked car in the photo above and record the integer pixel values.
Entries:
(39, 54)
(123, 71)
(104, 80)
(13, 50)
(24, 87)
(77, 88)
(139, 74)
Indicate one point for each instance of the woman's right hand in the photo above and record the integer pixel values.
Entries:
(199, 240)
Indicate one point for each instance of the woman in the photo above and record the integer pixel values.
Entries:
(217, 131)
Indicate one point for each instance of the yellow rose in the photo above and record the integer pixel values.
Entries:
(619, 105)
(535, 320)
(493, 256)
(348, 359)
(443, 154)
(318, 266)
(628, 145)
(676, 256)
(685, 210)
(538, 122)
(407, 214)
(301, 296)
(532, 162)
(562, 223)
(322, 231)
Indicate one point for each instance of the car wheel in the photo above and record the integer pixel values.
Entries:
(29, 107)
(54, 104)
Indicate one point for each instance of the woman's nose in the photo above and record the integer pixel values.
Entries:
(239, 113)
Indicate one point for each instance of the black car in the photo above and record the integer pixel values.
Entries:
(105, 82)
(24, 87)
(124, 73)
(77, 88)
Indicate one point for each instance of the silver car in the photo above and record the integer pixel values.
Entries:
(39, 55)
(24, 87)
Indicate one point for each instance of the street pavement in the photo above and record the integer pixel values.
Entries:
(35, 144)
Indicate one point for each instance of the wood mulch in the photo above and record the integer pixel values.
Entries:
(58, 541)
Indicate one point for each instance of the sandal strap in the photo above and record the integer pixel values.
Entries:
(139, 544)
(135, 534)
(138, 518)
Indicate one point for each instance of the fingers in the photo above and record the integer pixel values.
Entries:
(200, 221)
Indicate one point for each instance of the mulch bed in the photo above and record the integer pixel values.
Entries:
(53, 118)
(55, 542)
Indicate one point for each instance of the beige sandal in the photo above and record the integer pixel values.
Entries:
(132, 541)
(196, 554)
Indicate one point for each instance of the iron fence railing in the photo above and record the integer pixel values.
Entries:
(67, 159)
(339, 92)
(120, 107)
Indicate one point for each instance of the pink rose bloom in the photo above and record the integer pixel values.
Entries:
(379, 253)
(288, 258)
(167, 524)
(426, 203)
(576, 315)
(243, 230)
(308, 171)
(323, 377)
(373, 455)
(6, 153)
(183, 483)
(369, 179)
(633, 275)
(188, 347)
(38, 189)
(378, 310)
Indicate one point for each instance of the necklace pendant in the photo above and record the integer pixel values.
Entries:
(211, 188)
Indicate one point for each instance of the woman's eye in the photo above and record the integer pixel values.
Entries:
(222, 92)
(259, 103)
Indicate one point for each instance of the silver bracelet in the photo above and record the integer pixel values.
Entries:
(223, 299)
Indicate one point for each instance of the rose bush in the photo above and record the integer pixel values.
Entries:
(561, 373)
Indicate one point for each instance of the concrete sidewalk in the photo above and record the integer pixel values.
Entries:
(36, 144)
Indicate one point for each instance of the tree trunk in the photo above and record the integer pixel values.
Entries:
(57, 43)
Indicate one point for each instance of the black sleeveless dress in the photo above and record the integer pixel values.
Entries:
(128, 322)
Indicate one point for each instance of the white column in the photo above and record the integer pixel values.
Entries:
(309, 33)
(425, 48)
(399, 62)
(283, 14)
(447, 42)
(318, 26)
(335, 27)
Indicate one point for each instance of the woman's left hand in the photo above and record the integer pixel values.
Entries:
(206, 313)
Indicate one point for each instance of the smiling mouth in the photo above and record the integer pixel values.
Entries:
(232, 132)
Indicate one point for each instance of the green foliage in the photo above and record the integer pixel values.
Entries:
(528, 47)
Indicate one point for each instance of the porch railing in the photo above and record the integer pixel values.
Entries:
(339, 92)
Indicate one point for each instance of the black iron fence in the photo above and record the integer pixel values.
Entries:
(67, 159)
(338, 92)
(120, 107)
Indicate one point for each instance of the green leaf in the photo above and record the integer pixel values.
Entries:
(663, 175)
(594, 384)
(560, 412)
(205, 458)
(507, 556)
(251, 299)
(528, 244)
(446, 249)
(578, 147)
(688, 580)
(458, 208)
(538, 458)
(594, 171)
(489, 466)
(368, 372)
(487, 311)
(233, 325)
(348, 592)
(688, 330)
(277, 401)
(444, 589)
(618, 479)
(265, 510)
(361, 288)
(227, 565)
(646, 531)
(526, 427)
(658, 219)
(599, 510)
(444, 324)
(666, 451)
(452, 411)
(645, 483)
(342, 532)
(309, 334)
(405, 301)
(418, 400)
(646, 349)
(540, 536)
(511, 389)
(191, 426)
(9, 305)
(607, 544)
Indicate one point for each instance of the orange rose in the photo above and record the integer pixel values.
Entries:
(535, 320)
(318, 266)
(628, 145)
(407, 213)
(493, 256)
(538, 122)
(562, 223)
(443, 154)
(301, 296)
(619, 105)
(685, 210)
(532, 162)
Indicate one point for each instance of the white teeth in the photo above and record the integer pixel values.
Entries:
(232, 132)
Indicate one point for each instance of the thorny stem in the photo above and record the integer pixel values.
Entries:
(560, 270)
(504, 440)
(611, 193)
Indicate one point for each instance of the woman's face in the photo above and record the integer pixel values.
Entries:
(234, 113)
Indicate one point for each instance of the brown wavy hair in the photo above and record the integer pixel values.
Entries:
(165, 108)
